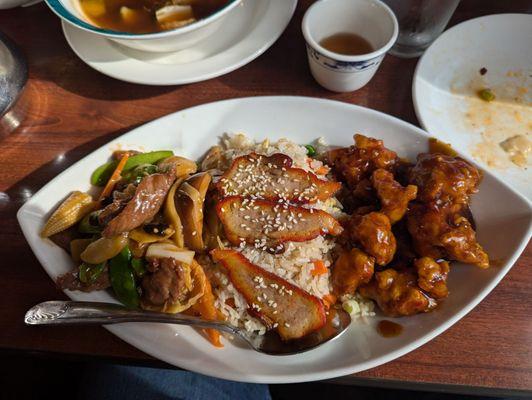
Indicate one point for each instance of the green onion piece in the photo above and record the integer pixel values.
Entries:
(311, 150)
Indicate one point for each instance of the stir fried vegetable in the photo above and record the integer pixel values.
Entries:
(191, 196)
(311, 150)
(123, 279)
(89, 223)
(89, 273)
(135, 175)
(139, 266)
(164, 250)
(180, 166)
(78, 246)
(115, 177)
(205, 305)
(102, 174)
(171, 215)
(104, 249)
(71, 211)
(141, 236)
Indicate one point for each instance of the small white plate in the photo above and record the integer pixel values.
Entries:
(503, 219)
(447, 81)
(247, 33)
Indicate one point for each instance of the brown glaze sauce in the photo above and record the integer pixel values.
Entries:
(436, 146)
(389, 329)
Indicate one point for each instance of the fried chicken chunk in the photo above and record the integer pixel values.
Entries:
(352, 269)
(397, 293)
(373, 232)
(444, 179)
(394, 198)
(443, 233)
(432, 276)
(355, 163)
(273, 178)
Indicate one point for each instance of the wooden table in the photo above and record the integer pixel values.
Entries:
(74, 110)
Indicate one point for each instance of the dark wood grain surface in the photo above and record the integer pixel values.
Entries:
(74, 110)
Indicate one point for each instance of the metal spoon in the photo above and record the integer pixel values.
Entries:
(82, 312)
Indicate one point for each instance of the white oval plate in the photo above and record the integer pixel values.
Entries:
(448, 77)
(247, 33)
(503, 219)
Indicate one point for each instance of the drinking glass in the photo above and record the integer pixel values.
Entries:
(420, 23)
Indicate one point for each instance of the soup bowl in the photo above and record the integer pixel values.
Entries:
(165, 41)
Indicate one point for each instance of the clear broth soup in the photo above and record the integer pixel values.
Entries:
(147, 16)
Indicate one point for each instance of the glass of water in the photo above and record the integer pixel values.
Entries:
(420, 23)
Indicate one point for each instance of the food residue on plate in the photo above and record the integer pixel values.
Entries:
(518, 148)
(500, 111)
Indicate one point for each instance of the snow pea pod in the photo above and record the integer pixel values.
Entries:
(102, 174)
(89, 273)
(123, 279)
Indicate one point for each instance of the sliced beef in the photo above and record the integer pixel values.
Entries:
(70, 281)
(146, 202)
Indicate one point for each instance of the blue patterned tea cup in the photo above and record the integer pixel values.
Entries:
(371, 19)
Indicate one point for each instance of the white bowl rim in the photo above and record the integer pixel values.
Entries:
(89, 27)
(342, 57)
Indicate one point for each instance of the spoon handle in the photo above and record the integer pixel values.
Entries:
(83, 312)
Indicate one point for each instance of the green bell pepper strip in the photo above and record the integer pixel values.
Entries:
(138, 266)
(102, 174)
(123, 279)
(89, 273)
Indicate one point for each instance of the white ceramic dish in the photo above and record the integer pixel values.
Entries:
(249, 31)
(171, 40)
(372, 19)
(447, 79)
(503, 220)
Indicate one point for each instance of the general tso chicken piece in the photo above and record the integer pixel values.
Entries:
(373, 232)
(145, 203)
(394, 197)
(432, 276)
(352, 269)
(444, 179)
(461, 244)
(397, 293)
(285, 307)
(267, 225)
(273, 178)
(357, 162)
(443, 233)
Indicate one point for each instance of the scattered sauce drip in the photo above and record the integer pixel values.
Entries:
(349, 44)
(389, 329)
(436, 146)
(497, 262)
